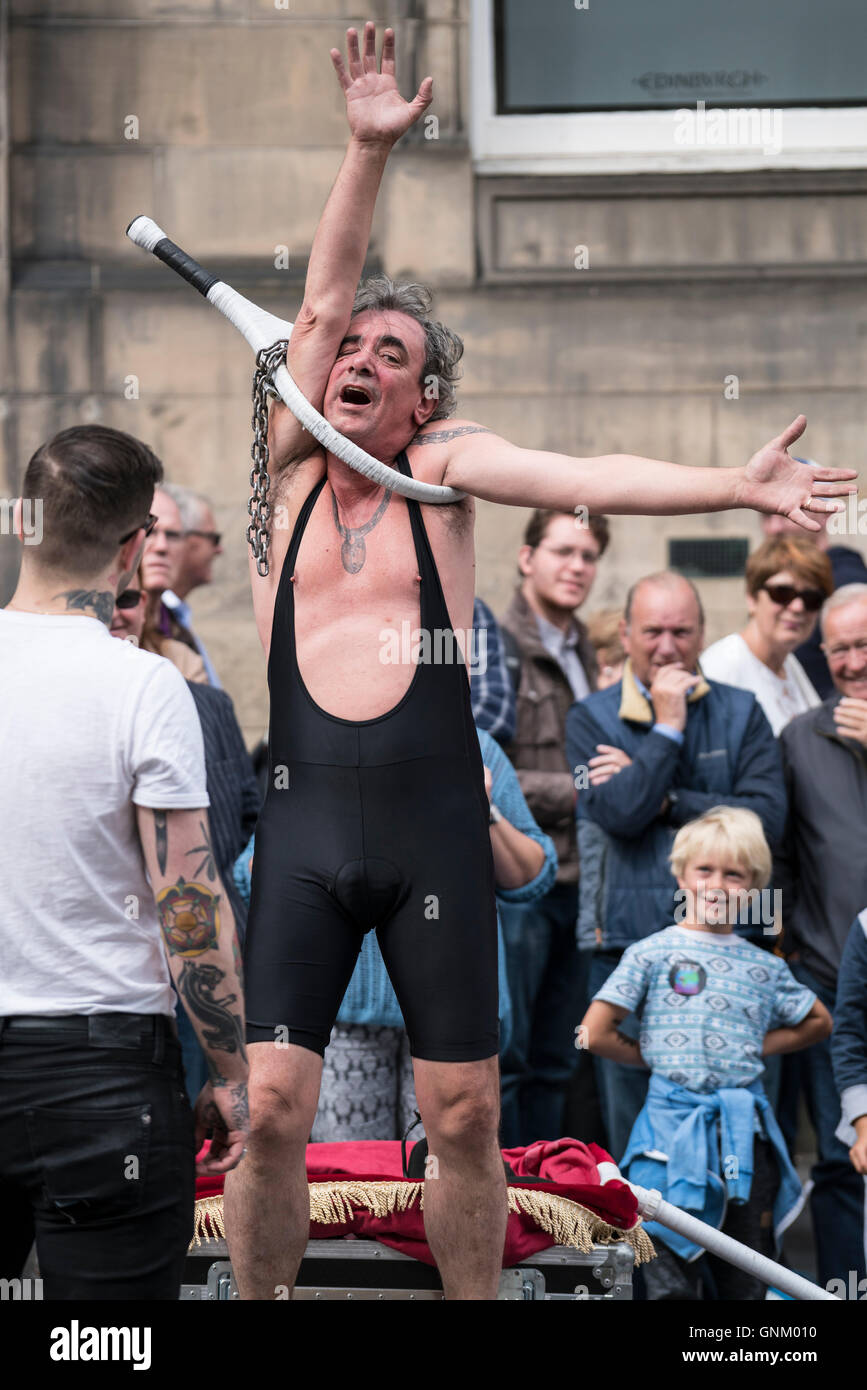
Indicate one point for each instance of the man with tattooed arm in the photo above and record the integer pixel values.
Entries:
(108, 884)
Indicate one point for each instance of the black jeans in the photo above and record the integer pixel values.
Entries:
(543, 968)
(97, 1156)
(837, 1197)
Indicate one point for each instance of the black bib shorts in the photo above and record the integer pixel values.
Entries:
(382, 823)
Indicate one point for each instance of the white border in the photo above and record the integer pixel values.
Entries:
(632, 142)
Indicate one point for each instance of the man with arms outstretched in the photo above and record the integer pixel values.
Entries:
(376, 814)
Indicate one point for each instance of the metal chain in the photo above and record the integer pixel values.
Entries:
(258, 534)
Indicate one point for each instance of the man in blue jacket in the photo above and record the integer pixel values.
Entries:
(649, 754)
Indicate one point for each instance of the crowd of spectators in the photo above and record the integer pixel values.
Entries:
(736, 734)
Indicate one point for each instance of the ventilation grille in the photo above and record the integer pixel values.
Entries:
(709, 557)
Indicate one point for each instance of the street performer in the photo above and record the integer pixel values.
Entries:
(376, 814)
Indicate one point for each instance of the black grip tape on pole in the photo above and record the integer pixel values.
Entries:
(201, 279)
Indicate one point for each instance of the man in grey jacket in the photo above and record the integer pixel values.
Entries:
(822, 871)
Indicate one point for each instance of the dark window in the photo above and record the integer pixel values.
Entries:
(620, 55)
(709, 557)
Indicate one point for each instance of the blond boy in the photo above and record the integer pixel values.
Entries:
(714, 1006)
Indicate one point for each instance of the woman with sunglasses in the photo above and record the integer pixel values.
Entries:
(788, 580)
(133, 620)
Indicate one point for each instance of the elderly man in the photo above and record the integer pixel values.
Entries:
(649, 754)
(821, 868)
(376, 814)
(201, 546)
(160, 564)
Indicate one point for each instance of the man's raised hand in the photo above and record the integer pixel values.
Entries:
(375, 109)
(850, 717)
(669, 691)
(775, 482)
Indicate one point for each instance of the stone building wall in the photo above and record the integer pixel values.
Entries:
(222, 120)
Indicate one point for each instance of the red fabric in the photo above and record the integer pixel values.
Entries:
(567, 1166)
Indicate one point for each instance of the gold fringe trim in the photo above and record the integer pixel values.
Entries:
(571, 1224)
(333, 1204)
(209, 1221)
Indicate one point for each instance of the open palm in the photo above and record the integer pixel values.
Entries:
(775, 482)
(375, 109)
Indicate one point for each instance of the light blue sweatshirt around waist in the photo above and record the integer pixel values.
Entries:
(696, 1148)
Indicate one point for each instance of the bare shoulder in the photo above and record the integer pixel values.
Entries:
(433, 449)
(429, 452)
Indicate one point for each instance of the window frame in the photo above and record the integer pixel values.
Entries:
(624, 142)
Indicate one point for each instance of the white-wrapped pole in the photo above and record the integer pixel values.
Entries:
(261, 329)
(653, 1207)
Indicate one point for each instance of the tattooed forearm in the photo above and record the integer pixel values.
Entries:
(190, 918)
(101, 601)
(162, 838)
(240, 1117)
(221, 1029)
(443, 436)
(239, 964)
(205, 849)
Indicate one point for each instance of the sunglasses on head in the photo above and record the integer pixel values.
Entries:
(784, 594)
(148, 526)
(130, 598)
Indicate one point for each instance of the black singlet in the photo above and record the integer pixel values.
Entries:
(378, 823)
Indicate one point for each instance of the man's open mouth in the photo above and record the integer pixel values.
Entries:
(355, 395)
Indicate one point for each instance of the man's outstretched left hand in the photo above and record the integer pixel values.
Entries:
(775, 482)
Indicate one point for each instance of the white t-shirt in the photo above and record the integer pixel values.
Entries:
(781, 697)
(89, 725)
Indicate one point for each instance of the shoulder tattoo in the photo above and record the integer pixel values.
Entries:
(443, 436)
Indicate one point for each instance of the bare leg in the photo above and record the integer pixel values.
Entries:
(465, 1195)
(266, 1202)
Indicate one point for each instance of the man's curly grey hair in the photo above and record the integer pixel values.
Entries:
(443, 349)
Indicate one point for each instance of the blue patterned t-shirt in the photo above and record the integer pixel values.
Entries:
(708, 1001)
